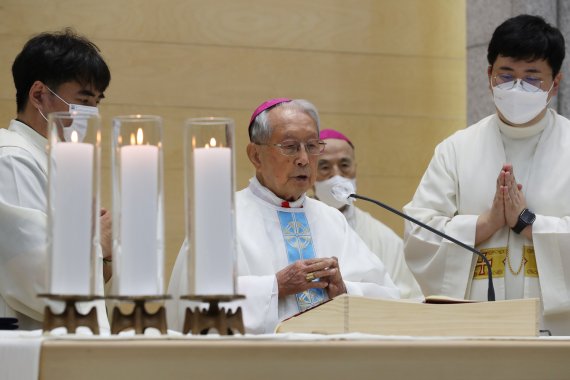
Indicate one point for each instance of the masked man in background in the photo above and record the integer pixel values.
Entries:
(337, 165)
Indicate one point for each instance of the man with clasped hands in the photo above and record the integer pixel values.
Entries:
(502, 185)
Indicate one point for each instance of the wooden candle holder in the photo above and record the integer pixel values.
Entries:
(139, 319)
(70, 318)
(201, 321)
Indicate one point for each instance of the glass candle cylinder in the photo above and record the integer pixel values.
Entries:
(74, 149)
(210, 209)
(138, 222)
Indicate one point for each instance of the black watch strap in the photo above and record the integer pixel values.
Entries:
(526, 218)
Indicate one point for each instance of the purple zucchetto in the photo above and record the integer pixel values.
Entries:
(327, 134)
(265, 106)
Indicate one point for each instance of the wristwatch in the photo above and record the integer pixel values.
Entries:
(526, 218)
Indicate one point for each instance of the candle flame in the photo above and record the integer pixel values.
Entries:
(193, 142)
(133, 139)
(74, 136)
(212, 142)
(139, 136)
(120, 139)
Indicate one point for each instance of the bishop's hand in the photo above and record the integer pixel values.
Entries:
(301, 276)
(336, 284)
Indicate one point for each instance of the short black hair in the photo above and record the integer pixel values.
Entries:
(55, 58)
(527, 37)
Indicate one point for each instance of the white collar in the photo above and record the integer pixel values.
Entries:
(268, 196)
(29, 134)
(525, 132)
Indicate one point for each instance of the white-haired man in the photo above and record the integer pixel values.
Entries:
(293, 252)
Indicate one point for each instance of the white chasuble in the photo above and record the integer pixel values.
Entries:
(389, 248)
(262, 252)
(459, 185)
(23, 227)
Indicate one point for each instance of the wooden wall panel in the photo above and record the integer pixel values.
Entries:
(388, 73)
(233, 77)
(393, 27)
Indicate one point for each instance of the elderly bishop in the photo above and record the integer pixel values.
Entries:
(294, 252)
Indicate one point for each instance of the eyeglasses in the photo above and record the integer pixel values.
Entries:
(509, 81)
(313, 147)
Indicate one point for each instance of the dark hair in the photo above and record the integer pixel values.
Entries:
(57, 58)
(528, 38)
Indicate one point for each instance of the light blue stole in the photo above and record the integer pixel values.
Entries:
(299, 246)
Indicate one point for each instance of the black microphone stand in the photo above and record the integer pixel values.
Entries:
(490, 290)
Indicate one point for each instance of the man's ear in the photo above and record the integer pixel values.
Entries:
(556, 84)
(489, 72)
(36, 94)
(253, 155)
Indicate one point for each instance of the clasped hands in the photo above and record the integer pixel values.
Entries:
(508, 203)
(301, 276)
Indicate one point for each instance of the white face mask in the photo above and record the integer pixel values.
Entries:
(323, 190)
(79, 125)
(519, 106)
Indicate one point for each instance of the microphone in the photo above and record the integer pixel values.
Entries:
(345, 192)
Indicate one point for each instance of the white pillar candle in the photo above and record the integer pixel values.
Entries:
(213, 224)
(139, 267)
(72, 184)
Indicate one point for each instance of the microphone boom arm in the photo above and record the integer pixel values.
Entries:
(491, 289)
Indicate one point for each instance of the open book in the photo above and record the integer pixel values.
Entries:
(346, 314)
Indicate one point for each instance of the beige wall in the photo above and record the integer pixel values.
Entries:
(388, 73)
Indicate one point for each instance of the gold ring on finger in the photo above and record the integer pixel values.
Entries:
(310, 276)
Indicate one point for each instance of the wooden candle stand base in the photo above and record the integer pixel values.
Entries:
(201, 321)
(70, 318)
(139, 319)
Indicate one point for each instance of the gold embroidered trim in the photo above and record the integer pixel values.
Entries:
(530, 267)
(496, 257)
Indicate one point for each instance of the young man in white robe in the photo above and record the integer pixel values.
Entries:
(337, 165)
(52, 71)
(502, 185)
(294, 252)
